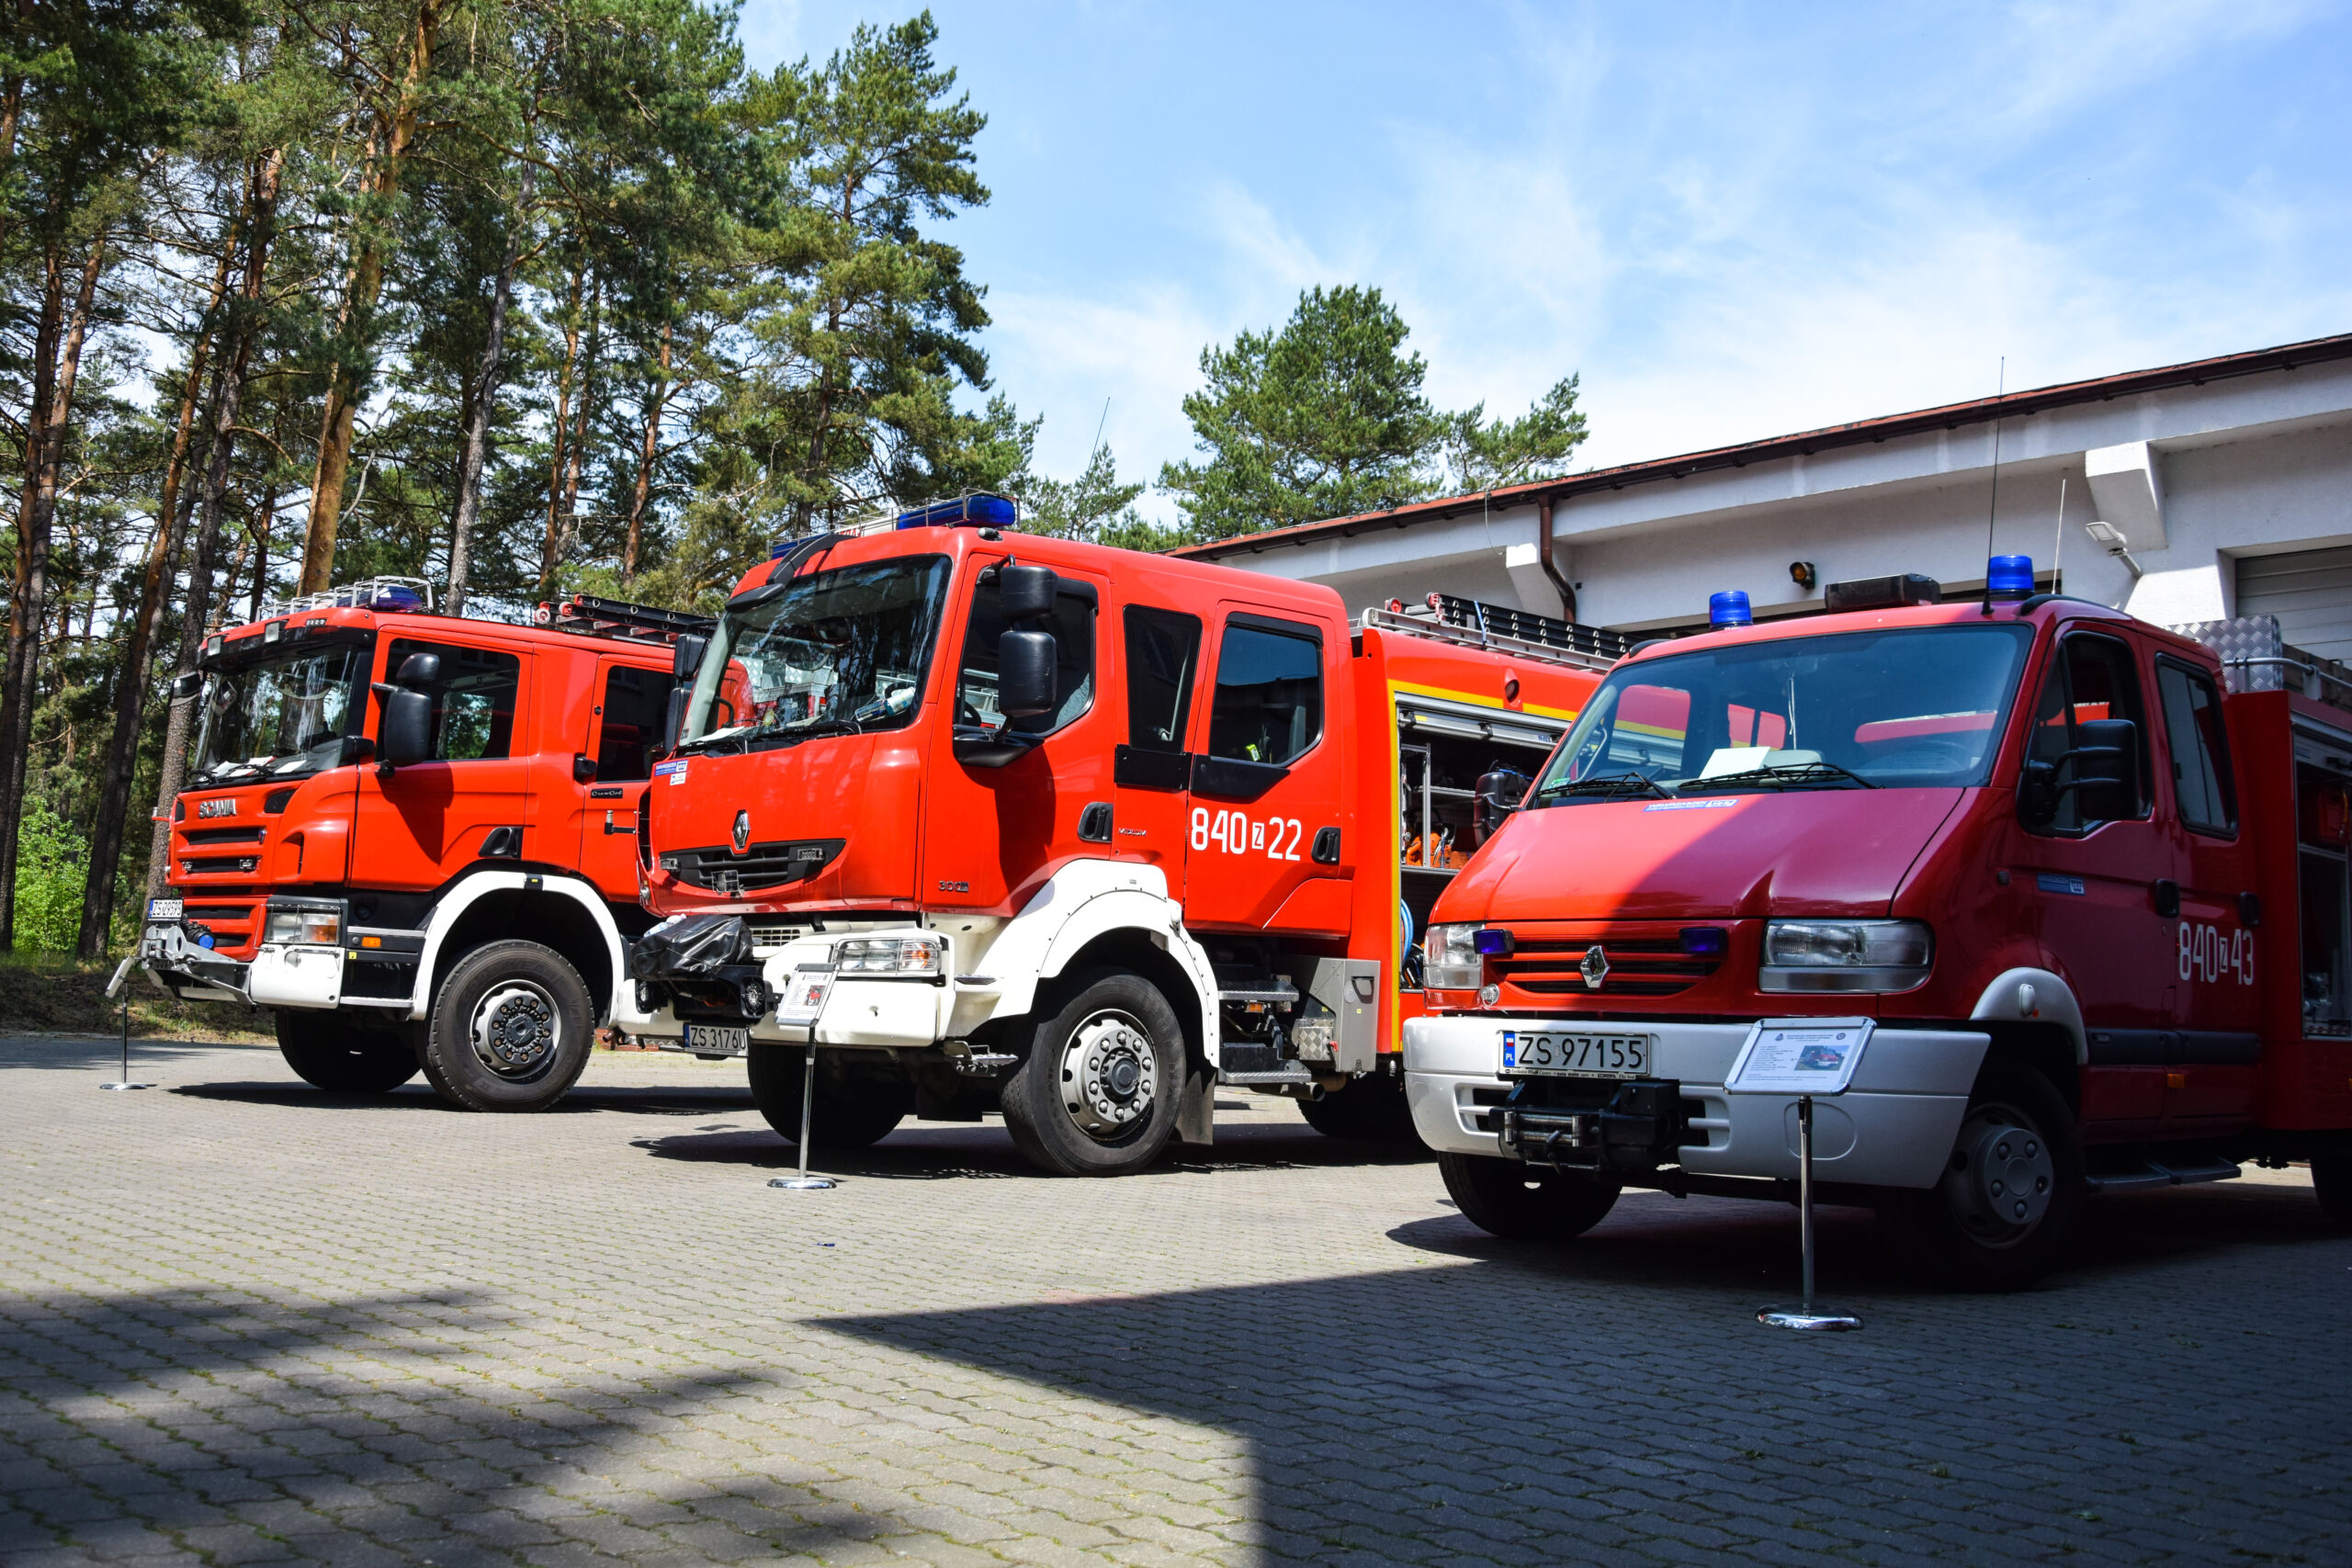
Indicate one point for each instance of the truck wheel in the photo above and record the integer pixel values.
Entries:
(1097, 1093)
(1526, 1202)
(1370, 1108)
(2012, 1193)
(511, 1030)
(849, 1114)
(332, 1051)
(2332, 1183)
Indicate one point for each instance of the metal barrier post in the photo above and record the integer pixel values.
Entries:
(803, 1182)
(124, 1082)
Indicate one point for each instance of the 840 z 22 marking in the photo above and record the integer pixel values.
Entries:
(1237, 833)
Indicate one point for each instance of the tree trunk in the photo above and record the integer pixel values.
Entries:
(130, 682)
(228, 396)
(345, 383)
(485, 398)
(45, 452)
(551, 548)
(657, 399)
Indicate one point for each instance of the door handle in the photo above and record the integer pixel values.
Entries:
(2167, 894)
(1094, 823)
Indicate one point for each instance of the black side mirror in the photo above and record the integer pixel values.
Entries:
(1500, 793)
(2107, 769)
(1025, 673)
(1025, 593)
(673, 719)
(419, 670)
(686, 657)
(185, 687)
(405, 730)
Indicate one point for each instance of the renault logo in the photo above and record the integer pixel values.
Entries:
(1595, 967)
(742, 831)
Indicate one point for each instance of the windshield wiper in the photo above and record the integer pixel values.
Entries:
(1609, 786)
(812, 729)
(1787, 776)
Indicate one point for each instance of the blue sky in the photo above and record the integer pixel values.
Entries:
(1732, 221)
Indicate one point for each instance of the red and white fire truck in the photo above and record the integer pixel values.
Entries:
(412, 837)
(1003, 822)
(2079, 880)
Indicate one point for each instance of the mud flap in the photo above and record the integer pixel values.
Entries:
(1196, 1109)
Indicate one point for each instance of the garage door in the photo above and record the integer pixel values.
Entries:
(2309, 591)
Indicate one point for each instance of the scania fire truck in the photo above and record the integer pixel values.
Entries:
(2075, 883)
(412, 837)
(1004, 822)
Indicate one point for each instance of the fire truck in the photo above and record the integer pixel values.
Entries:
(412, 837)
(996, 822)
(2075, 883)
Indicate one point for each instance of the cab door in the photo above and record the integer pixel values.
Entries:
(427, 821)
(1269, 783)
(623, 731)
(1160, 673)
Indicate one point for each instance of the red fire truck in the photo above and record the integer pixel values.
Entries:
(413, 836)
(1001, 822)
(2078, 882)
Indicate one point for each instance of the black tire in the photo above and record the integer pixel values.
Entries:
(512, 1027)
(853, 1109)
(1096, 1094)
(2012, 1190)
(338, 1053)
(1526, 1202)
(1371, 1110)
(2332, 1183)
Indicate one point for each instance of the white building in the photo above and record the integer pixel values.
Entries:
(2225, 483)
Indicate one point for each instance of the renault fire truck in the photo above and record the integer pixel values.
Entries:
(998, 822)
(412, 837)
(2073, 883)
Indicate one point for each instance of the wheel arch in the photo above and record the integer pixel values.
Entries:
(562, 913)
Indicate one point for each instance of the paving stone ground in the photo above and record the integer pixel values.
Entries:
(244, 1323)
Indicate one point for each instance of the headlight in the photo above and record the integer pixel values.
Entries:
(318, 928)
(1450, 960)
(1846, 955)
(889, 956)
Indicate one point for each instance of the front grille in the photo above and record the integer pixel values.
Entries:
(760, 866)
(197, 836)
(1645, 966)
(770, 933)
(218, 914)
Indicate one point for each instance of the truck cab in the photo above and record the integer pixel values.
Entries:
(412, 837)
(1004, 822)
(2026, 846)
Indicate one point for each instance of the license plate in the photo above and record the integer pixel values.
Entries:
(1574, 1053)
(165, 908)
(715, 1037)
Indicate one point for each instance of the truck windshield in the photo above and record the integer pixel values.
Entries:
(279, 715)
(835, 652)
(1906, 708)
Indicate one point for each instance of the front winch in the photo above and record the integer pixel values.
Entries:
(1594, 1124)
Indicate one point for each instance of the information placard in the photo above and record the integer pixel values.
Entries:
(1799, 1055)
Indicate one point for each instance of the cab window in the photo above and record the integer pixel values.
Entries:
(1163, 657)
(473, 699)
(2093, 678)
(1269, 702)
(1072, 623)
(634, 703)
(2200, 747)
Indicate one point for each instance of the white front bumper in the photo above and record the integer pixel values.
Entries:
(1894, 1128)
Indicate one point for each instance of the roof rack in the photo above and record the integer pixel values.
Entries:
(591, 616)
(1468, 623)
(412, 593)
(2256, 657)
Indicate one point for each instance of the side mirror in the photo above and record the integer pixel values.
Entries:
(1025, 673)
(1499, 794)
(419, 670)
(185, 687)
(686, 657)
(673, 719)
(405, 730)
(2107, 769)
(1025, 593)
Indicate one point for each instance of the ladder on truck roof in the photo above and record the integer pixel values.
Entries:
(1468, 623)
(591, 616)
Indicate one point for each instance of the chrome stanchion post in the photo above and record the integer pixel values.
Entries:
(1807, 1316)
(1799, 1058)
(124, 1082)
(803, 1182)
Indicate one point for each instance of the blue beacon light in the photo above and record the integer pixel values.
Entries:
(1728, 609)
(2009, 577)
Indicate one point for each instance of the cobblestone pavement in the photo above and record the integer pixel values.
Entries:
(244, 1323)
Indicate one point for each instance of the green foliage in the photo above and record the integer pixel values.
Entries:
(51, 861)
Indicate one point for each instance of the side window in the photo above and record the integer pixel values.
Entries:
(2092, 679)
(1072, 623)
(473, 701)
(1269, 703)
(2200, 749)
(634, 701)
(1163, 657)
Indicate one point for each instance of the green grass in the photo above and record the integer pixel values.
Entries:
(49, 993)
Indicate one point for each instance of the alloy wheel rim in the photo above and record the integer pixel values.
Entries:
(1110, 1074)
(515, 1030)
